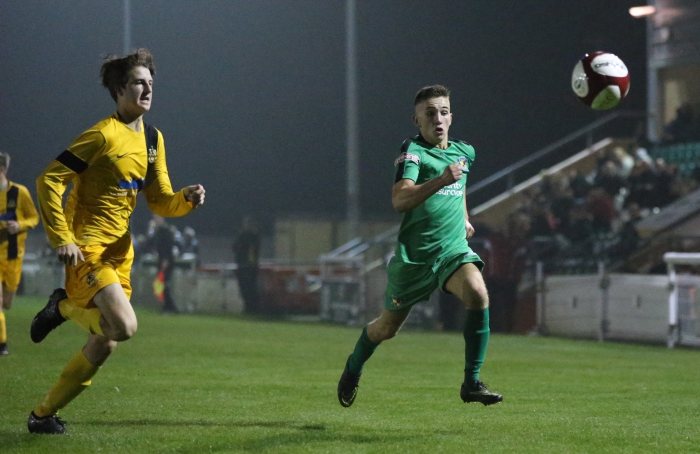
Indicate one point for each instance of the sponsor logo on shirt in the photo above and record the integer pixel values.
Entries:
(152, 152)
(407, 157)
(136, 184)
(455, 189)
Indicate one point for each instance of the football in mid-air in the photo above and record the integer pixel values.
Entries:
(600, 80)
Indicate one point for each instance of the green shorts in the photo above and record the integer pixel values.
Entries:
(410, 283)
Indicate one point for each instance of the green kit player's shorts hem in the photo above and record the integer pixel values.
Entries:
(410, 283)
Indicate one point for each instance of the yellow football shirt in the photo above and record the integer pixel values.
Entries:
(107, 165)
(18, 207)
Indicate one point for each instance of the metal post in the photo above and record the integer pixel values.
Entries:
(353, 158)
(127, 27)
(589, 140)
(540, 299)
(653, 117)
(672, 305)
(604, 302)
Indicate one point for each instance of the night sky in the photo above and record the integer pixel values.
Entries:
(250, 94)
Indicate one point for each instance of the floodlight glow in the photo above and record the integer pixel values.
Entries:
(641, 11)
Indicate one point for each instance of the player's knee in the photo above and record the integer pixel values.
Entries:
(124, 331)
(476, 298)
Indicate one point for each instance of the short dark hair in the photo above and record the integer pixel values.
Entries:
(4, 160)
(430, 92)
(115, 70)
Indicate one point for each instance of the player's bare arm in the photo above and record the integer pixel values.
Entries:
(467, 224)
(406, 194)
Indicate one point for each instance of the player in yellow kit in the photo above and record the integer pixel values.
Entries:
(109, 164)
(17, 215)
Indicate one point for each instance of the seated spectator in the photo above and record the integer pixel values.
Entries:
(580, 228)
(682, 128)
(629, 236)
(665, 176)
(641, 185)
(542, 219)
(560, 206)
(601, 207)
(624, 162)
(579, 184)
(609, 178)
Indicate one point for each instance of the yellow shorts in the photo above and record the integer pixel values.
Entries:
(10, 274)
(103, 266)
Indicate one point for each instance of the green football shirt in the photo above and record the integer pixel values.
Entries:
(434, 229)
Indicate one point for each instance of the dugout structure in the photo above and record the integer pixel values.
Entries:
(352, 282)
(625, 307)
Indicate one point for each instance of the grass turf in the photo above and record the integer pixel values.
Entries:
(190, 384)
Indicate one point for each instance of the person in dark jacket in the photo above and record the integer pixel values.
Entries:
(246, 249)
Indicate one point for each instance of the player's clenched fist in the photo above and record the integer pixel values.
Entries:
(452, 173)
(195, 194)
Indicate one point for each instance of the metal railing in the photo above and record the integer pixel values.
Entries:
(586, 131)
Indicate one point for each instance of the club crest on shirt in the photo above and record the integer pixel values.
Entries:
(91, 280)
(395, 301)
(407, 157)
(11, 204)
(462, 162)
(152, 152)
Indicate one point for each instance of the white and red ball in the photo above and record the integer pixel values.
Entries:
(600, 80)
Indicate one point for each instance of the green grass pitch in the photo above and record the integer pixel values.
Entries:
(197, 384)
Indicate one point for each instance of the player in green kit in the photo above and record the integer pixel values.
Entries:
(432, 250)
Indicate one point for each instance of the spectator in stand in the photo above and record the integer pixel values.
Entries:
(580, 228)
(562, 201)
(543, 223)
(579, 184)
(629, 236)
(641, 184)
(682, 128)
(665, 177)
(189, 243)
(624, 161)
(601, 206)
(608, 178)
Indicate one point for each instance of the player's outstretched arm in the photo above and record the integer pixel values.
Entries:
(406, 194)
(194, 194)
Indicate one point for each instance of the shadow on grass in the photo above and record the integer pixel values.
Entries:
(167, 423)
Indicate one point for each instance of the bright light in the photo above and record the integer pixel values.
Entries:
(641, 11)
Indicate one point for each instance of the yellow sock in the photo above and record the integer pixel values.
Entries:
(3, 329)
(76, 376)
(88, 319)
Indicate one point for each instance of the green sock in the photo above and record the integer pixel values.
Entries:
(363, 350)
(476, 338)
